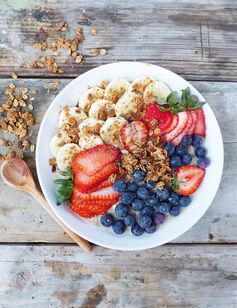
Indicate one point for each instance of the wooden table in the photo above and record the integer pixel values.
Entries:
(39, 265)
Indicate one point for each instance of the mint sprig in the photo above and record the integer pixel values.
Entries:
(65, 187)
(176, 105)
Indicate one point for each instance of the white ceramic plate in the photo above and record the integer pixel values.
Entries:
(173, 227)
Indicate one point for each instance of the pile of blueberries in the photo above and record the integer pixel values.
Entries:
(179, 155)
(141, 206)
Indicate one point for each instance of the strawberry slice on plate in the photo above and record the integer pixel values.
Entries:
(176, 141)
(107, 193)
(152, 112)
(182, 122)
(189, 179)
(172, 126)
(87, 209)
(131, 132)
(85, 183)
(194, 117)
(200, 128)
(94, 159)
(106, 183)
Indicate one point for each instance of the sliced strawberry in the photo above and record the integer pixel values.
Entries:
(131, 132)
(104, 184)
(189, 178)
(200, 128)
(182, 122)
(194, 117)
(94, 159)
(152, 112)
(172, 126)
(86, 183)
(176, 141)
(104, 194)
(87, 209)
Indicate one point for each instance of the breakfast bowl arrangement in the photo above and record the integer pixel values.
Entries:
(137, 155)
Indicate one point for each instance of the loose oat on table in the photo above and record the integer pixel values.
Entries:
(14, 75)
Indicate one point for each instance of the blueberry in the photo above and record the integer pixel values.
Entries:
(120, 186)
(129, 220)
(162, 194)
(164, 208)
(119, 226)
(187, 140)
(173, 198)
(201, 152)
(144, 221)
(136, 229)
(170, 148)
(143, 193)
(138, 175)
(126, 198)
(151, 228)
(137, 204)
(121, 210)
(174, 210)
(186, 159)
(132, 187)
(181, 150)
(150, 184)
(107, 220)
(197, 141)
(147, 210)
(175, 161)
(159, 218)
(152, 201)
(203, 162)
(184, 201)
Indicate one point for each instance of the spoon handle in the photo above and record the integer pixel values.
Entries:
(84, 244)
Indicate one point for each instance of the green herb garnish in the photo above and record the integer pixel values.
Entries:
(65, 186)
(175, 184)
(176, 105)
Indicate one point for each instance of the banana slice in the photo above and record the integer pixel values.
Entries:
(58, 140)
(90, 126)
(129, 105)
(89, 141)
(65, 156)
(101, 110)
(89, 97)
(115, 89)
(139, 85)
(71, 115)
(109, 132)
(154, 90)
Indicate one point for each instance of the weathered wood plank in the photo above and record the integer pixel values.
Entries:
(191, 38)
(64, 276)
(32, 224)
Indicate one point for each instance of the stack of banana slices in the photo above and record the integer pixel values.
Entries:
(100, 115)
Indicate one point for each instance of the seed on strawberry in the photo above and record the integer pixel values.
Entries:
(95, 159)
(189, 178)
(132, 132)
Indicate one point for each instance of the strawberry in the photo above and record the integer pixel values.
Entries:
(85, 183)
(189, 179)
(105, 194)
(172, 126)
(90, 209)
(194, 117)
(104, 184)
(131, 132)
(95, 159)
(152, 112)
(182, 122)
(200, 128)
(176, 141)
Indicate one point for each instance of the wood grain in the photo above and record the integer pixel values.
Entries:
(63, 276)
(192, 38)
(218, 225)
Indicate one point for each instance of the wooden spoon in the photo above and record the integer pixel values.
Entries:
(16, 174)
